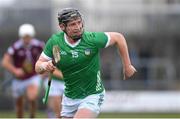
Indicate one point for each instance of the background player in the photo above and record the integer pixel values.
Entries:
(20, 60)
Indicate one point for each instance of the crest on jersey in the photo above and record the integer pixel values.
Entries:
(87, 51)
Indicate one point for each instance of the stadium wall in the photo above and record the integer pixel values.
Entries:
(142, 101)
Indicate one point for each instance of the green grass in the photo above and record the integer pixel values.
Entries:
(11, 114)
(41, 114)
(139, 115)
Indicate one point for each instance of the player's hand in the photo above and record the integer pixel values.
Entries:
(129, 71)
(19, 72)
(48, 66)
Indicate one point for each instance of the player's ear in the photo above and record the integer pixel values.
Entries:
(62, 26)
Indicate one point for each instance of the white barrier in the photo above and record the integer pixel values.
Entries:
(142, 101)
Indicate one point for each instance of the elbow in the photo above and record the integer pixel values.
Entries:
(116, 35)
(118, 38)
(6, 61)
(120, 41)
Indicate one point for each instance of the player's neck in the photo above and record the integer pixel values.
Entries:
(26, 44)
(71, 41)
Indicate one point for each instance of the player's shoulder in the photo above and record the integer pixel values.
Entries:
(88, 33)
(92, 34)
(57, 35)
(17, 44)
(37, 42)
(55, 38)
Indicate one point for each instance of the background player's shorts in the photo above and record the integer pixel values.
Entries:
(19, 86)
(57, 87)
(91, 102)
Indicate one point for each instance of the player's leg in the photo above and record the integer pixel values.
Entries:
(32, 94)
(60, 106)
(54, 105)
(69, 107)
(85, 113)
(18, 92)
(19, 107)
(55, 98)
(90, 106)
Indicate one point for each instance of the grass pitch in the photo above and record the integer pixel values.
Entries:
(41, 114)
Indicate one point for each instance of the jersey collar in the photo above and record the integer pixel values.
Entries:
(71, 45)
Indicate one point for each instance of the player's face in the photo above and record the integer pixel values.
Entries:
(27, 39)
(74, 28)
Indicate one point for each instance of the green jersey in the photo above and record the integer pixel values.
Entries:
(79, 63)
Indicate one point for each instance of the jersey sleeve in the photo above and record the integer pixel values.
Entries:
(10, 50)
(47, 51)
(101, 39)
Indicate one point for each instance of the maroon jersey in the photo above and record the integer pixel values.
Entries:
(25, 57)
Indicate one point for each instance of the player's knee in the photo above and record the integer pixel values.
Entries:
(85, 113)
(32, 92)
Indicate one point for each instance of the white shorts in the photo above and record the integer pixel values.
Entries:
(91, 102)
(56, 89)
(19, 86)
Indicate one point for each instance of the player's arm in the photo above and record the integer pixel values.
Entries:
(119, 40)
(57, 73)
(7, 63)
(44, 65)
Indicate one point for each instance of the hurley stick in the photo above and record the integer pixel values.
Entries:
(56, 59)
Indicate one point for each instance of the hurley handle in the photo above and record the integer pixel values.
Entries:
(56, 59)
